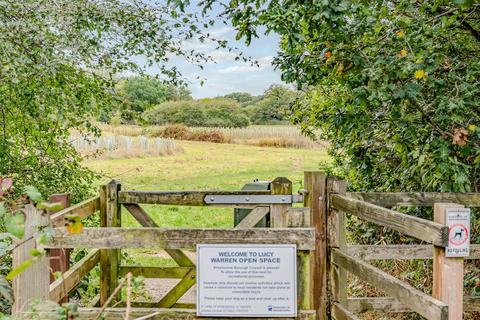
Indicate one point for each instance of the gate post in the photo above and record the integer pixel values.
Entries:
(315, 182)
(278, 212)
(34, 282)
(447, 272)
(60, 258)
(110, 216)
(336, 276)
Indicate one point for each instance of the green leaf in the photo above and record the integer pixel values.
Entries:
(36, 253)
(18, 270)
(15, 224)
(6, 291)
(3, 210)
(33, 193)
(51, 206)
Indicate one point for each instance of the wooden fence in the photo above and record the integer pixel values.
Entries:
(317, 228)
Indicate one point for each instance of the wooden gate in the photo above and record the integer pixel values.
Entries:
(317, 228)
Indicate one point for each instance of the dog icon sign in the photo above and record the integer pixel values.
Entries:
(458, 222)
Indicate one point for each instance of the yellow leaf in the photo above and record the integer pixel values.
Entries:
(472, 127)
(75, 228)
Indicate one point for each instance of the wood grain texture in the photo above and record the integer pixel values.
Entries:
(418, 301)
(447, 272)
(107, 238)
(422, 229)
(155, 272)
(278, 212)
(340, 312)
(34, 282)
(253, 217)
(399, 252)
(336, 238)
(387, 304)
(69, 280)
(417, 199)
(181, 198)
(315, 182)
(82, 210)
(146, 221)
(298, 217)
(168, 314)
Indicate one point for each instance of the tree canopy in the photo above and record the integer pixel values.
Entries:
(58, 62)
(393, 85)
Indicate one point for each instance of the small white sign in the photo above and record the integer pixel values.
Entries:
(458, 222)
(246, 280)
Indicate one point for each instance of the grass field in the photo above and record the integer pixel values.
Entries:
(202, 166)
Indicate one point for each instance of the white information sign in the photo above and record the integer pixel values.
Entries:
(458, 222)
(246, 280)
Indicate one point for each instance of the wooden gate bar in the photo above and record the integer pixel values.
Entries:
(422, 229)
(119, 238)
(155, 272)
(179, 198)
(417, 199)
(418, 301)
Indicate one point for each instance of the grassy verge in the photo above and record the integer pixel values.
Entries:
(202, 166)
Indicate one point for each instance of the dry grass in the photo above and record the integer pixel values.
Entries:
(279, 136)
(112, 147)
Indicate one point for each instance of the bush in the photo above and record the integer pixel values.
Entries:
(182, 132)
(173, 131)
(217, 112)
(208, 135)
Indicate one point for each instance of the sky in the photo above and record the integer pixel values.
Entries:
(226, 75)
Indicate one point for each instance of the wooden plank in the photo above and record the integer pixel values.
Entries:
(155, 272)
(181, 198)
(305, 298)
(107, 238)
(399, 252)
(69, 280)
(178, 290)
(418, 301)
(422, 229)
(82, 210)
(298, 217)
(447, 272)
(387, 304)
(418, 199)
(146, 221)
(113, 215)
(168, 314)
(337, 286)
(59, 258)
(33, 283)
(315, 183)
(253, 217)
(278, 212)
(339, 312)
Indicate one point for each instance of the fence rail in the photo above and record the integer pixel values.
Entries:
(318, 229)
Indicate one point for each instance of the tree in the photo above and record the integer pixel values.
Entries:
(58, 62)
(275, 105)
(139, 94)
(394, 86)
(244, 98)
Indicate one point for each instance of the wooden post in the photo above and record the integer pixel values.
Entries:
(59, 258)
(110, 216)
(315, 183)
(447, 272)
(34, 282)
(278, 212)
(336, 277)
